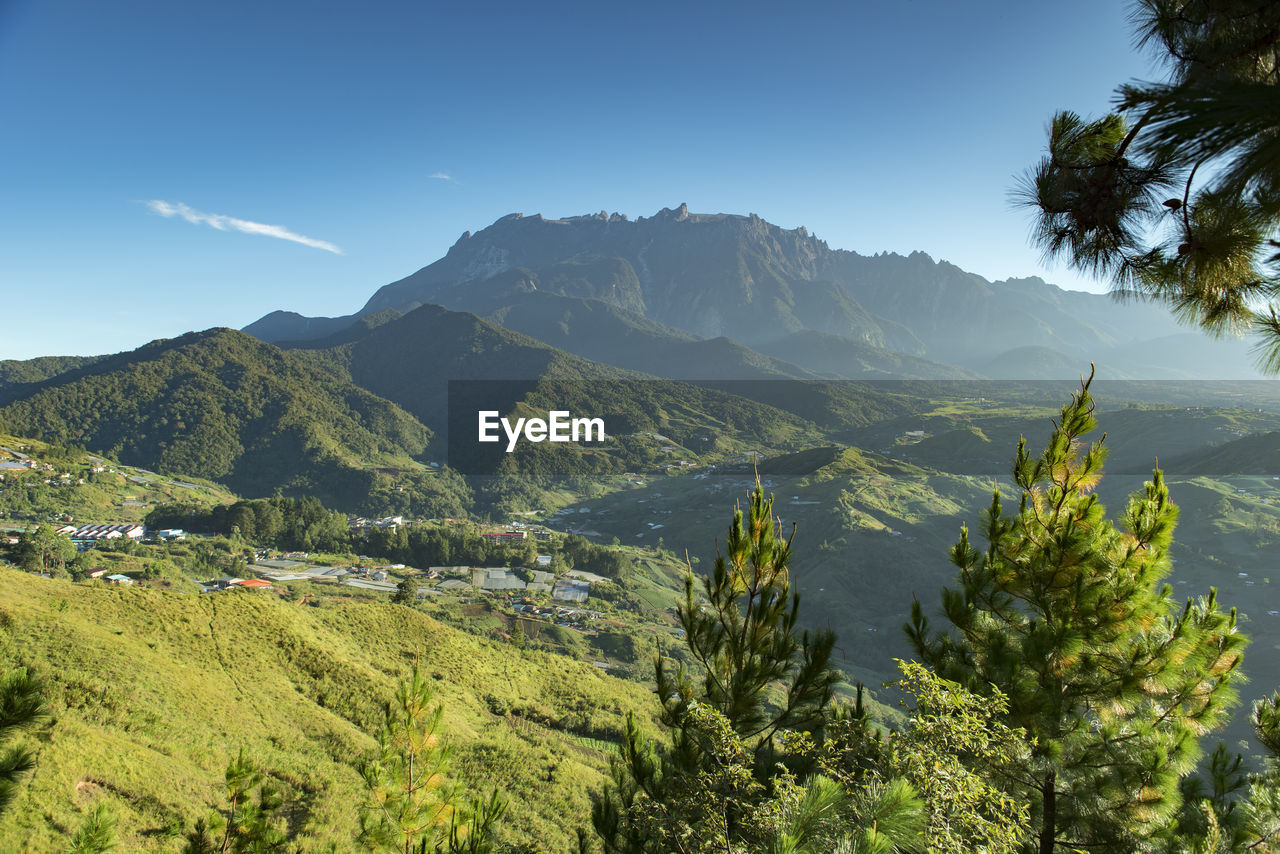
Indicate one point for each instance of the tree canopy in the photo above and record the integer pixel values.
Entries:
(1175, 196)
(1068, 615)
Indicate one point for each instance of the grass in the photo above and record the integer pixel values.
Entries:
(154, 691)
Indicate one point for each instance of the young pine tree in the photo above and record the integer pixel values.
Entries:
(96, 834)
(1242, 811)
(753, 672)
(254, 821)
(1067, 615)
(412, 807)
(22, 709)
(744, 641)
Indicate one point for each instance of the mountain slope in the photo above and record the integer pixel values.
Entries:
(604, 332)
(412, 360)
(845, 357)
(17, 371)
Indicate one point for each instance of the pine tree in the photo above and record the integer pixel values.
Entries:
(745, 642)
(754, 672)
(412, 806)
(22, 708)
(1067, 615)
(253, 823)
(1252, 823)
(96, 835)
(1177, 195)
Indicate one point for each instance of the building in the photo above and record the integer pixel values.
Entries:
(96, 533)
(571, 590)
(505, 536)
(495, 578)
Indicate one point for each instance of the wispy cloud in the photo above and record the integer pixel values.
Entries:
(230, 223)
(443, 176)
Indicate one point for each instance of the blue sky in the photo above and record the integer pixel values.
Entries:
(146, 144)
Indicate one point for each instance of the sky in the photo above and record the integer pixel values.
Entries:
(172, 166)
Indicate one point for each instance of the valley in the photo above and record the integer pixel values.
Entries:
(326, 462)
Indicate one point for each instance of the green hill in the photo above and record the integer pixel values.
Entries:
(411, 361)
(152, 692)
(1255, 454)
(224, 406)
(350, 422)
(15, 371)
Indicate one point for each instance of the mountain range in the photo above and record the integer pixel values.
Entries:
(678, 325)
(680, 294)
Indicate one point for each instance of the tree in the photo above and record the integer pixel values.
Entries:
(96, 835)
(952, 751)
(1259, 824)
(756, 677)
(1242, 812)
(745, 642)
(44, 550)
(1176, 196)
(253, 823)
(1068, 617)
(723, 807)
(22, 708)
(411, 805)
(821, 817)
(406, 592)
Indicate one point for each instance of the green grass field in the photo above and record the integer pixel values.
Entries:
(153, 691)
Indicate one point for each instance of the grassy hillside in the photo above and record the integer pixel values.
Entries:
(153, 691)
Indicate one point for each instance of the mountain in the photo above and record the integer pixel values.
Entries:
(224, 406)
(617, 336)
(764, 287)
(413, 360)
(15, 371)
(844, 357)
(349, 418)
